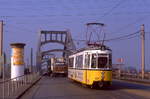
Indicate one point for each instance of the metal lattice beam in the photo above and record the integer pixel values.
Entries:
(60, 37)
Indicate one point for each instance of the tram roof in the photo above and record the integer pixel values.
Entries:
(101, 47)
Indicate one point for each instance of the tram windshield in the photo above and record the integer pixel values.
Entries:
(100, 61)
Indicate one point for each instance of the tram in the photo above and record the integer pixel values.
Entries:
(91, 66)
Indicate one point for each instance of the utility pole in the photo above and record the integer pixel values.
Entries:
(3, 64)
(143, 50)
(31, 57)
(1, 45)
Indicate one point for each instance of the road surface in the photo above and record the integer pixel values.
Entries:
(62, 88)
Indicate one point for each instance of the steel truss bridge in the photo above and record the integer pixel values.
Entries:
(60, 37)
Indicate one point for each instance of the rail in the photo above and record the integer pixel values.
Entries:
(13, 87)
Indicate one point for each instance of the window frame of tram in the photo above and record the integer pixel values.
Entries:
(79, 62)
(87, 61)
(95, 63)
(71, 62)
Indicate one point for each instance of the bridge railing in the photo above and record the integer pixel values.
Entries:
(14, 87)
(130, 76)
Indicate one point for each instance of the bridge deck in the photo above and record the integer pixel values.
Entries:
(62, 88)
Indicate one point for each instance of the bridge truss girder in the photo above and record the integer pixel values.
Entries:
(61, 37)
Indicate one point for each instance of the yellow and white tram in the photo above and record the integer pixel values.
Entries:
(91, 66)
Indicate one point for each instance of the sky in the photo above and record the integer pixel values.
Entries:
(25, 18)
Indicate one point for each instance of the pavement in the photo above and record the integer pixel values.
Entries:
(19, 92)
(63, 88)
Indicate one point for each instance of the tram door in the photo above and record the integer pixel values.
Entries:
(87, 66)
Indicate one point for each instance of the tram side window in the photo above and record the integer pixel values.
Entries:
(76, 62)
(93, 64)
(71, 61)
(79, 61)
(87, 61)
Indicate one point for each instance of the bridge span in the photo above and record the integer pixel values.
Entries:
(63, 88)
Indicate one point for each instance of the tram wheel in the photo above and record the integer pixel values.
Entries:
(100, 84)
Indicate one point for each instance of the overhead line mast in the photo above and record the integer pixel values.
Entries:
(1, 45)
(143, 50)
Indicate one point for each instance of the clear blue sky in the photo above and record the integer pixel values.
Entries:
(24, 18)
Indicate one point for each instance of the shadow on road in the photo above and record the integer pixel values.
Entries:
(116, 85)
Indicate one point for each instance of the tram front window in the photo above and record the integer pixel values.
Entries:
(99, 61)
(102, 62)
